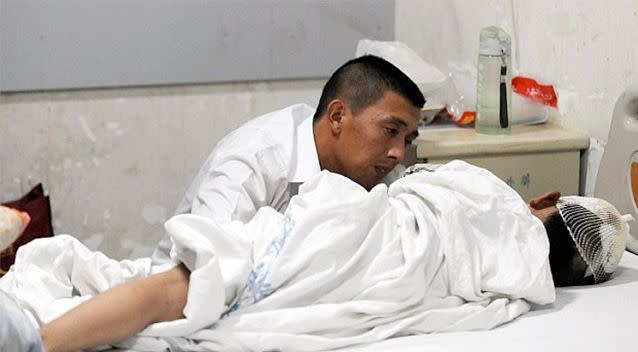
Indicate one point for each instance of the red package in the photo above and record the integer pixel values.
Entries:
(531, 89)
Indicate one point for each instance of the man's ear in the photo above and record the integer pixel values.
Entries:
(545, 200)
(336, 111)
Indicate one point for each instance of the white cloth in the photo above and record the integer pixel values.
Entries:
(456, 249)
(262, 163)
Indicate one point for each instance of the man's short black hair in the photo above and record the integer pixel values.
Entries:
(567, 265)
(361, 82)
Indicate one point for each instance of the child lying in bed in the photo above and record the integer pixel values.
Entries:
(455, 249)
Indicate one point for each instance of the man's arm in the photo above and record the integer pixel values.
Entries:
(120, 312)
(243, 174)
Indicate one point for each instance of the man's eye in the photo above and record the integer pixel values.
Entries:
(392, 131)
(408, 141)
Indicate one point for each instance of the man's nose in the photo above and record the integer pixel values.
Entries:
(397, 151)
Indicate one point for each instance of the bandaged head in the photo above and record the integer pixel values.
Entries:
(599, 232)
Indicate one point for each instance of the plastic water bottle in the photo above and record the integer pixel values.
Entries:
(494, 82)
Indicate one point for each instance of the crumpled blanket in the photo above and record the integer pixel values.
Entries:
(456, 249)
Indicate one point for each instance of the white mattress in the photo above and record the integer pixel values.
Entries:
(588, 318)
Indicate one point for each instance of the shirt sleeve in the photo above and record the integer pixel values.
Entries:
(235, 186)
(245, 172)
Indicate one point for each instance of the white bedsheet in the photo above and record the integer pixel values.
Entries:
(454, 250)
(585, 319)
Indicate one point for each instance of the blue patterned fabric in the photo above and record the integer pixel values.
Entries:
(257, 286)
(17, 333)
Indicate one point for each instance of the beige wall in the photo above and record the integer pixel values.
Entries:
(116, 162)
(585, 48)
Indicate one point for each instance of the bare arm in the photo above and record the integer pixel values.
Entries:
(120, 312)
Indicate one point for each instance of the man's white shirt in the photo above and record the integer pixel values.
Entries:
(262, 163)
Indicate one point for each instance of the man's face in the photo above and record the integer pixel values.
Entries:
(373, 142)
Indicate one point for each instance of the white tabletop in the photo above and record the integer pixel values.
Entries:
(457, 141)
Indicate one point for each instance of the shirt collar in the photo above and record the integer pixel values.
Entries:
(305, 160)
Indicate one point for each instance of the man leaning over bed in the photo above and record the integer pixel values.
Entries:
(367, 114)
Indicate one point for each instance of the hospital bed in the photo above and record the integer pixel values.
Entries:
(587, 318)
(595, 318)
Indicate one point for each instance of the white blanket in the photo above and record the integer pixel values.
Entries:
(452, 250)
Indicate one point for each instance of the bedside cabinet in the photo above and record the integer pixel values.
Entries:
(531, 159)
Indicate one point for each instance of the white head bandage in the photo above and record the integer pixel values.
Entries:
(598, 230)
